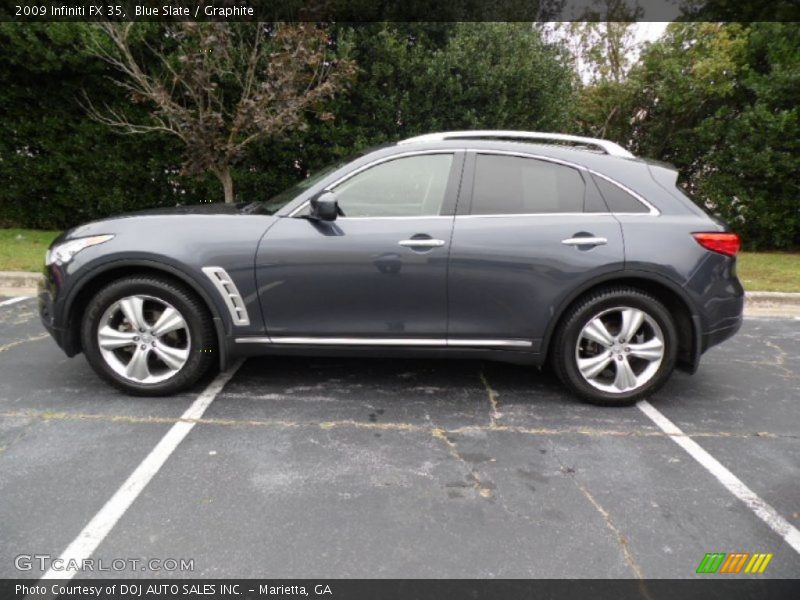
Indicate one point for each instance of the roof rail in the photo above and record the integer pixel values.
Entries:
(608, 147)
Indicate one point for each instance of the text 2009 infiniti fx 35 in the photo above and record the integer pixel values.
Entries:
(502, 245)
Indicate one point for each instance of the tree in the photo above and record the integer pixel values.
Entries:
(58, 168)
(497, 76)
(603, 49)
(220, 87)
(416, 78)
(602, 45)
(719, 101)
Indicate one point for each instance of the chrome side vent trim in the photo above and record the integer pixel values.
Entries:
(230, 294)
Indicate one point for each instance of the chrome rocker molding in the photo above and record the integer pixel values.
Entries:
(230, 294)
(322, 341)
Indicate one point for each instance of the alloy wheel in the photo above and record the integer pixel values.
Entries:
(144, 339)
(620, 349)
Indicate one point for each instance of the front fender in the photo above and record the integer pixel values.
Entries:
(73, 301)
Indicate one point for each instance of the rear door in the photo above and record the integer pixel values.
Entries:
(528, 231)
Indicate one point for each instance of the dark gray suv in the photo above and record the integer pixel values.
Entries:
(524, 247)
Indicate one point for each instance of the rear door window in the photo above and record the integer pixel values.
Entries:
(517, 185)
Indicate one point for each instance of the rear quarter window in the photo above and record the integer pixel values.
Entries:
(617, 199)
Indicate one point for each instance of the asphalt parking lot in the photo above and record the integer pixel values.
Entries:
(386, 468)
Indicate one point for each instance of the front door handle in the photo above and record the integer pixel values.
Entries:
(421, 243)
(585, 241)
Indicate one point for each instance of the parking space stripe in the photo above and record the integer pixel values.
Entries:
(11, 301)
(764, 511)
(103, 522)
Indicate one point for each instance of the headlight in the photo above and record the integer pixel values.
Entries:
(62, 253)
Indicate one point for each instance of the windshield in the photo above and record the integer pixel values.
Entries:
(277, 202)
(280, 200)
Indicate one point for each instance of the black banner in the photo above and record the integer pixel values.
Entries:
(398, 10)
(710, 588)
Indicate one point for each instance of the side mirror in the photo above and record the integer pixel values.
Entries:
(324, 207)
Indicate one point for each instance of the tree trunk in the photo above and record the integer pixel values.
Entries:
(224, 176)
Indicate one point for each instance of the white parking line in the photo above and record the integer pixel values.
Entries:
(735, 486)
(13, 300)
(103, 522)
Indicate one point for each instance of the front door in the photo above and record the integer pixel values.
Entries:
(378, 273)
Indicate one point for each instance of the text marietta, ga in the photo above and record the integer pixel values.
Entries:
(192, 590)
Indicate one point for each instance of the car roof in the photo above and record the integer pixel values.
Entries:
(606, 146)
(576, 154)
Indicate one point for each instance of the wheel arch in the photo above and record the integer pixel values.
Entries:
(91, 283)
(687, 321)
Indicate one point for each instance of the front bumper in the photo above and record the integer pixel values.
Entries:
(48, 298)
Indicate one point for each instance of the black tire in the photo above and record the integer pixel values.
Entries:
(194, 312)
(563, 356)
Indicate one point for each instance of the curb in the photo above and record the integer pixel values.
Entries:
(19, 279)
(771, 304)
(790, 298)
(13, 283)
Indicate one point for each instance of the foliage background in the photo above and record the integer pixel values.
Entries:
(719, 101)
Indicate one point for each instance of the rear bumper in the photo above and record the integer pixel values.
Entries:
(718, 299)
(720, 334)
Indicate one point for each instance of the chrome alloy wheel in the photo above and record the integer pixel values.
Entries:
(619, 349)
(144, 339)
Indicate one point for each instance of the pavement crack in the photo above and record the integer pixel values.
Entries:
(621, 539)
(371, 425)
(780, 358)
(15, 343)
(494, 404)
(428, 428)
(778, 362)
(26, 427)
(483, 489)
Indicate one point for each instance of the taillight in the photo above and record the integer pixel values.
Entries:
(724, 243)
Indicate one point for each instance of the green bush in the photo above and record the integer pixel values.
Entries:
(59, 168)
(717, 100)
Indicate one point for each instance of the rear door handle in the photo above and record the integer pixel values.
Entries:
(585, 241)
(422, 243)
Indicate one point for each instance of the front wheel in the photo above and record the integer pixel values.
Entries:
(616, 346)
(148, 336)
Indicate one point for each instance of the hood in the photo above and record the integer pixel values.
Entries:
(216, 208)
(125, 221)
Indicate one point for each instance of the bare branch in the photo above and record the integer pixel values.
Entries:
(222, 87)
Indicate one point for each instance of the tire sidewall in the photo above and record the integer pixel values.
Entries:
(590, 309)
(197, 362)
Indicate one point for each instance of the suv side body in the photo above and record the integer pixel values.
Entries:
(483, 274)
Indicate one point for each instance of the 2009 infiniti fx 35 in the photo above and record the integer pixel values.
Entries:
(503, 245)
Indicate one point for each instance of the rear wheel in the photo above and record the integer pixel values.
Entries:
(616, 346)
(148, 336)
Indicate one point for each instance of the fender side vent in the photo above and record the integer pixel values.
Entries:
(230, 294)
